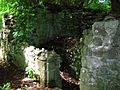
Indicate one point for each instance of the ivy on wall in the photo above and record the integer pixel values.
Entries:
(25, 11)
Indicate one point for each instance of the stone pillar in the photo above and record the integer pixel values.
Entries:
(52, 68)
(47, 67)
(101, 57)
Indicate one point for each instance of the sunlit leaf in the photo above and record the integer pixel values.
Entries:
(97, 4)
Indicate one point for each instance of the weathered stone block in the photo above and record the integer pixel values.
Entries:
(101, 57)
(45, 64)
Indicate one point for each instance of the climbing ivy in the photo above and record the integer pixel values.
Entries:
(3, 8)
(25, 16)
(25, 11)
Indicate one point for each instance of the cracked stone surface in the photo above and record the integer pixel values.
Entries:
(101, 57)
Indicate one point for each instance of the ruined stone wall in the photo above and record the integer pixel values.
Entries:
(101, 57)
(45, 64)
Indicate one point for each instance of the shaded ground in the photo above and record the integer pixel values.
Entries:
(12, 74)
(15, 76)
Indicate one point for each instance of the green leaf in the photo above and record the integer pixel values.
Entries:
(97, 4)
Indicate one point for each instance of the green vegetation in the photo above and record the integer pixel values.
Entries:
(62, 15)
(3, 8)
(76, 60)
(25, 87)
(31, 73)
(5, 87)
(25, 11)
(97, 4)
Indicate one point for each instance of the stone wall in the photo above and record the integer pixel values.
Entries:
(101, 57)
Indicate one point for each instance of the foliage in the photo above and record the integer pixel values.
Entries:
(25, 87)
(3, 8)
(64, 2)
(15, 54)
(97, 4)
(25, 12)
(5, 87)
(76, 64)
(8, 87)
(24, 19)
(31, 73)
